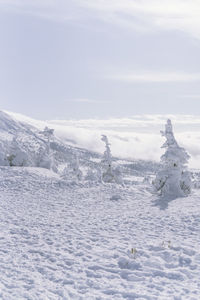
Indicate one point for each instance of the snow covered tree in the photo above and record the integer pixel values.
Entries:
(109, 174)
(73, 170)
(48, 133)
(74, 165)
(46, 155)
(173, 180)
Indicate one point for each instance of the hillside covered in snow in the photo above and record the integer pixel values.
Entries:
(30, 147)
(63, 238)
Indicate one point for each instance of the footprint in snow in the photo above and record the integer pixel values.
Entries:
(115, 197)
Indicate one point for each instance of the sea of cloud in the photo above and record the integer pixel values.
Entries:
(130, 138)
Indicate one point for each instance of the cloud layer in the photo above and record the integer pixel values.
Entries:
(131, 138)
(159, 77)
(150, 15)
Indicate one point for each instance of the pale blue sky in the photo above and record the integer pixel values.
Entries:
(99, 58)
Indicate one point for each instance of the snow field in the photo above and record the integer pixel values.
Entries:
(61, 240)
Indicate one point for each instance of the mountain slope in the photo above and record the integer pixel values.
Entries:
(33, 143)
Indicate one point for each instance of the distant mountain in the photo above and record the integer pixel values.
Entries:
(32, 141)
(23, 137)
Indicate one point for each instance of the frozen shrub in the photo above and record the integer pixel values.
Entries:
(17, 155)
(74, 165)
(64, 174)
(146, 180)
(93, 175)
(72, 171)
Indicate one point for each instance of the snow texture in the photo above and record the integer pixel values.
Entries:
(61, 240)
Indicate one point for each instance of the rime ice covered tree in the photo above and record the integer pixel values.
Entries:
(46, 155)
(109, 174)
(107, 157)
(173, 180)
(48, 133)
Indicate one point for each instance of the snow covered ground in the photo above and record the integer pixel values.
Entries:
(62, 240)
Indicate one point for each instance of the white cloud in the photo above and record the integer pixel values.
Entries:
(150, 14)
(155, 76)
(192, 96)
(143, 15)
(54, 10)
(85, 100)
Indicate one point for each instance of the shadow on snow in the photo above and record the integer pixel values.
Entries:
(163, 201)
